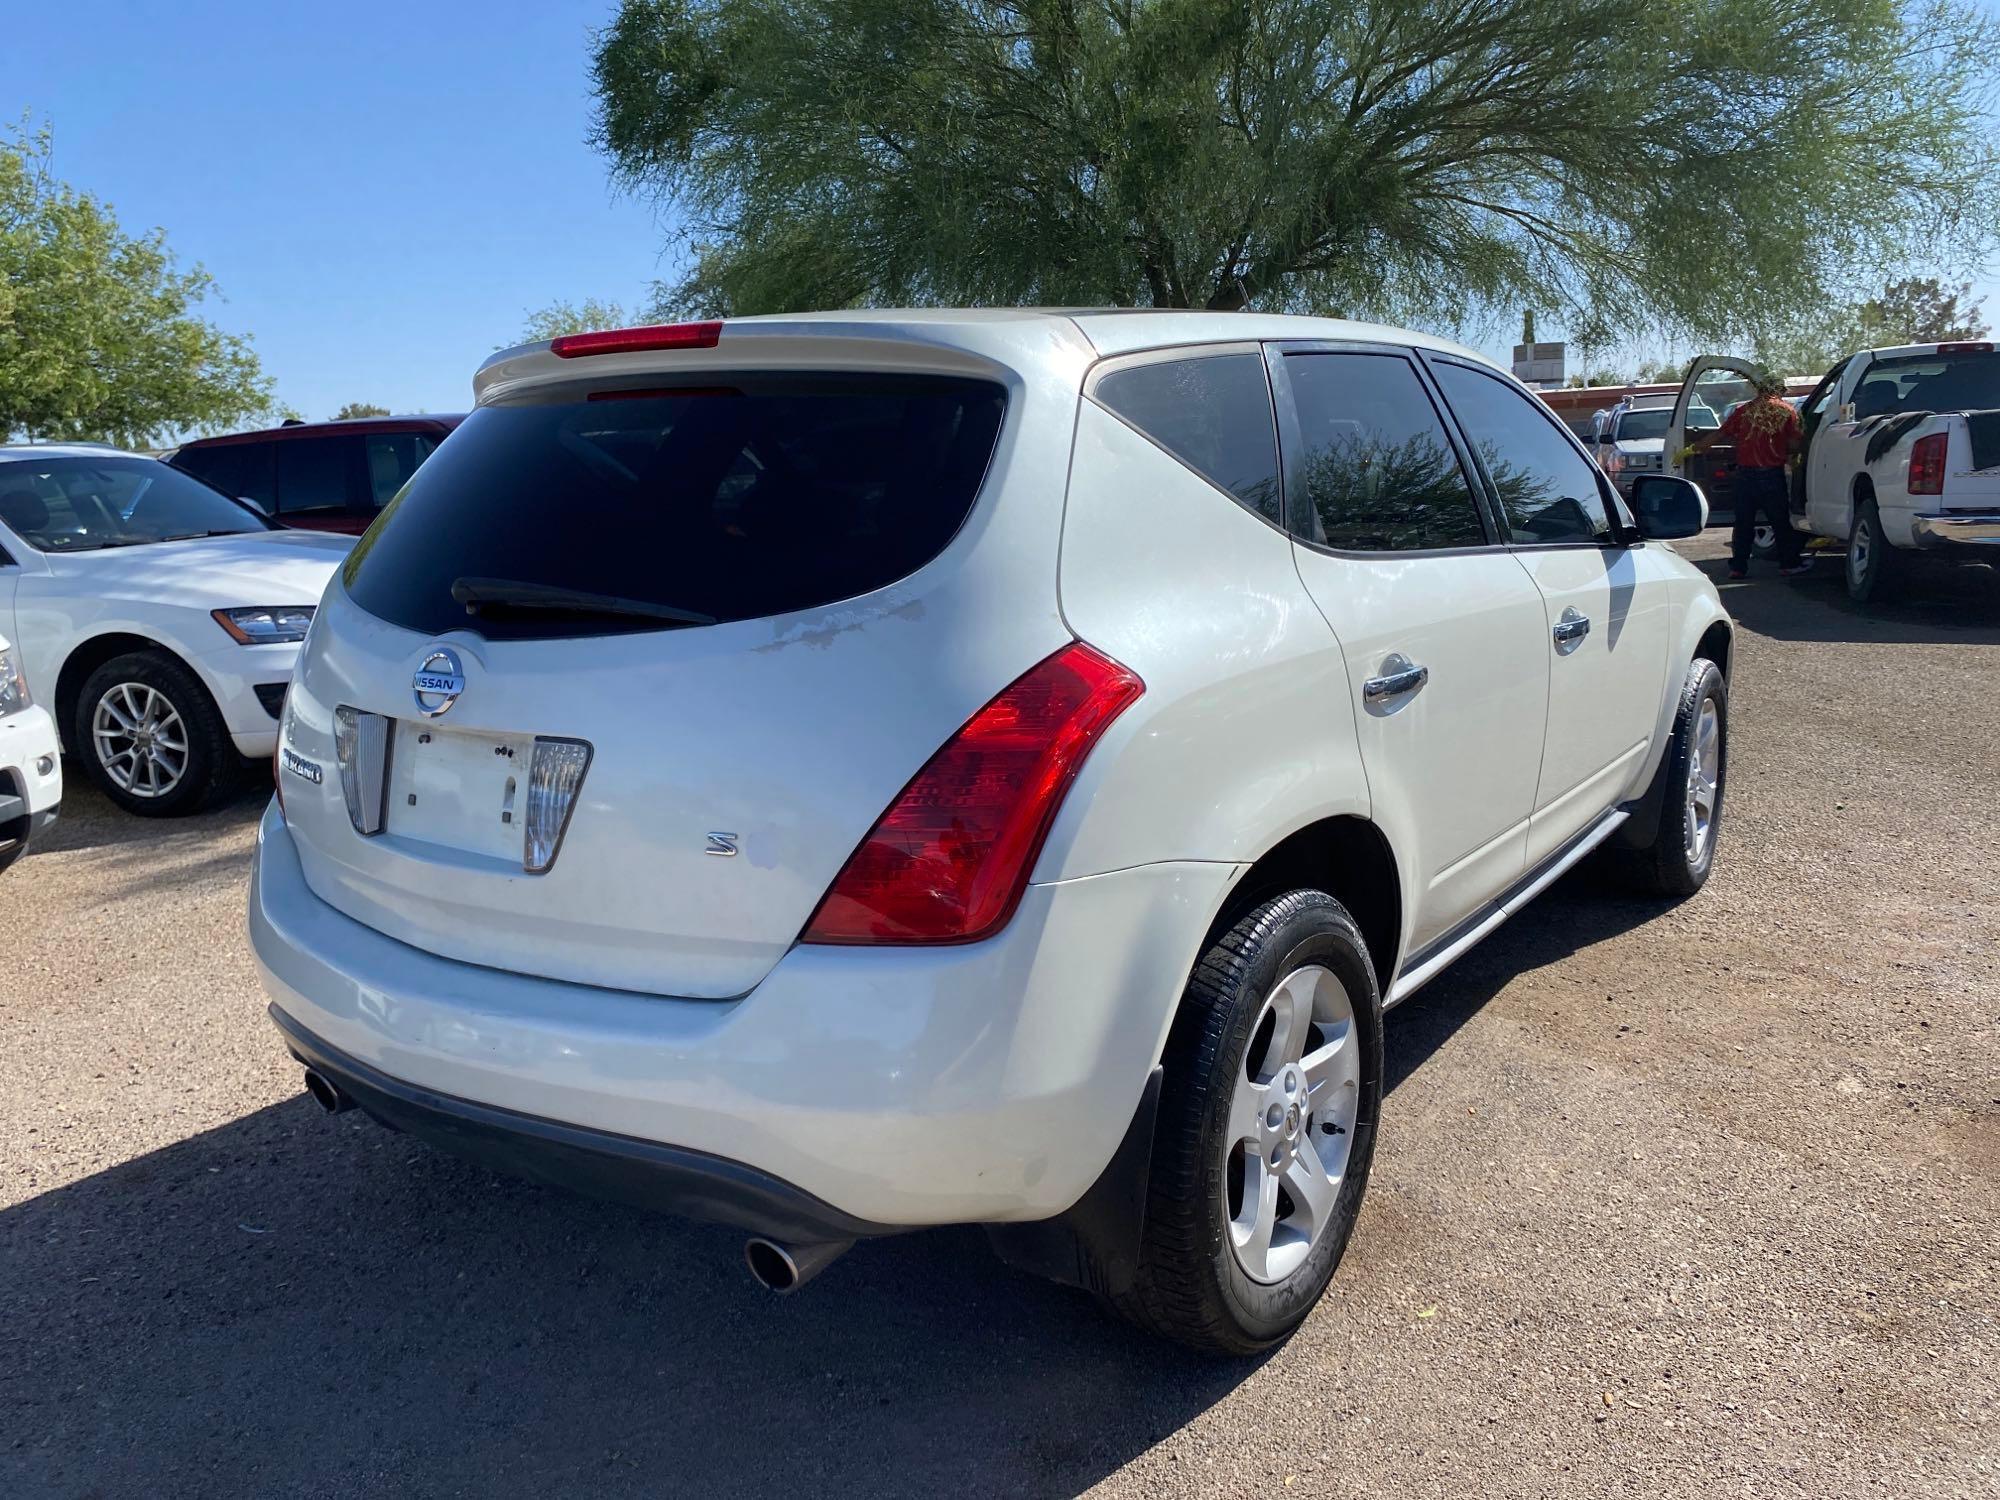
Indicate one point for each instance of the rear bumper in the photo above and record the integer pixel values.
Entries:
(1956, 531)
(893, 1087)
(621, 1167)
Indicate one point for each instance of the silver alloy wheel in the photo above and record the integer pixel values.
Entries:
(1764, 539)
(1291, 1123)
(1704, 779)
(1859, 548)
(139, 739)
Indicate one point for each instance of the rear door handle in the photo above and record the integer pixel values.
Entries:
(1570, 630)
(1400, 676)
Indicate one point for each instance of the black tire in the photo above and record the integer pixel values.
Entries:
(1666, 867)
(1190, 1286)
(11, 852)
(211, 765)
(1874, 571)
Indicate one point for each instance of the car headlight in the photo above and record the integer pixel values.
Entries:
(267, 624)
(14, 694)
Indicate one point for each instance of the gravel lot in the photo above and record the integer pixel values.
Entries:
(1700, 1200)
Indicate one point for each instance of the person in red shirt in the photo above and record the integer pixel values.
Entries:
(1766, 431)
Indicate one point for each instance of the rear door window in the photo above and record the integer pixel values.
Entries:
(313, 476)
(1376, 471)
(748, 496)
(1213, 413)
(392, 458)
(239, 469)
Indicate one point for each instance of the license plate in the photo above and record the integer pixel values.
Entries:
(460, 789)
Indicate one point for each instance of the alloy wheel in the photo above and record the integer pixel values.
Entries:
(139, 739)
(1703, 781)
(1291, 1123)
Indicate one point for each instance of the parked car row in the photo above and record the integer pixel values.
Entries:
(156, 618)
(899, 769)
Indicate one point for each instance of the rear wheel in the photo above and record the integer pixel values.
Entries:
(1268, 1110)
(151, 737)
(1873, 569)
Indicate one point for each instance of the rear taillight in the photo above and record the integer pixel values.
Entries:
(948, 861)
(1927, 455)
(629, 340)
(1971, 346)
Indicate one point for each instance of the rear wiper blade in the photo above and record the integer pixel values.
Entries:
(508, 593)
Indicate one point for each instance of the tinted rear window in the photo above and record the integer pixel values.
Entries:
(738, 500)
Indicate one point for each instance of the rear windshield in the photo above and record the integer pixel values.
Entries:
(751, 496)
(1635, 426)
(1966, 381)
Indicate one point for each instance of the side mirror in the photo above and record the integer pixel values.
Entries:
(1668, 508)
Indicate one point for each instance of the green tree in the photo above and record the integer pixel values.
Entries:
(99, 337)
(1619, 162)
(1923, 310)
(355, 409)
(559, 318)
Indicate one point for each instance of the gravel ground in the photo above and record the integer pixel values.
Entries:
(1696, 1200)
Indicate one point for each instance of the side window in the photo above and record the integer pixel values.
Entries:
(392, 458)
(239, 469)
(1547, 490)
(312, 475)
(1213, 414)
(1377, 473)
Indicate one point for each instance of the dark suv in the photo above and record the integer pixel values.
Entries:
(324, 476)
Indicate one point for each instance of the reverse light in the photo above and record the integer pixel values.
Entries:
(1927, 456)
(265, 624)
(948, 861)
(631, 340)
(361, 749)
(555, 776)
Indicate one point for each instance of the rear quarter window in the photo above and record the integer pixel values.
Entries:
(1212, 412)
(748, 496)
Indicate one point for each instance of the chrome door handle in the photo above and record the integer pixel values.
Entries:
(1570, 630)
(1402, 677)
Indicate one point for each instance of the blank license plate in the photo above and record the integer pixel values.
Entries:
(460, 789)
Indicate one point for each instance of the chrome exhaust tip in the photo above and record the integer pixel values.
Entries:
(326, 1094)
(783, 1269)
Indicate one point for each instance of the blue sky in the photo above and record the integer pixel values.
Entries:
(382, 192)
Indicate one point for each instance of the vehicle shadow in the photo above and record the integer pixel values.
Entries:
(90, 821)
(292, 1303)
(1939, 602)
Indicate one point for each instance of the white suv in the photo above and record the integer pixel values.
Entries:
(157, 618)
(895, 769)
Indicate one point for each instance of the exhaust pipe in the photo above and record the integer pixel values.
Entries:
(325, 1094)
(785, 1268)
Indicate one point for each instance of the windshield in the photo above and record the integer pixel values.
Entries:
(82, 504)
(1930, 382)
(589, 511)
(1637, 425)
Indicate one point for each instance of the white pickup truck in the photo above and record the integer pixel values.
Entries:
(1902, 452)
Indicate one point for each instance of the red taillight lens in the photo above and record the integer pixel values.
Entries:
(1927, 455)
(947, 862)
(627, 340)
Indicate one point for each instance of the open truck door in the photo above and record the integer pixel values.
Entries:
(1716, 385)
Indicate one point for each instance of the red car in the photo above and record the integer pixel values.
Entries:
(323, 476)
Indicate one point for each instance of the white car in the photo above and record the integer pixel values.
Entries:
(30, 767)
(157, 618)
(907, 768)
